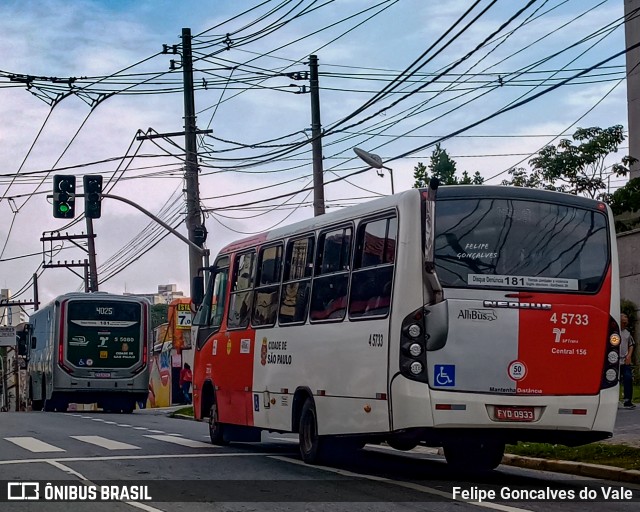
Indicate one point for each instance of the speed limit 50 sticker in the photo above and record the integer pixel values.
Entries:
(517, 370)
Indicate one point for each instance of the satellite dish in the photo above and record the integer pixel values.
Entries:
(369, 158)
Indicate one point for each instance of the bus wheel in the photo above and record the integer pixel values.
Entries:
(216, 429)
(36, 405)
(310, 441)
(403, 444)
(475, 456)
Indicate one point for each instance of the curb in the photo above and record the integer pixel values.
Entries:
(574, 468)
(181, 416)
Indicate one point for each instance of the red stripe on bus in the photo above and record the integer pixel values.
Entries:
(562, 349)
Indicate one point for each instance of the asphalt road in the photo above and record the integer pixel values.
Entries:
(182, 469)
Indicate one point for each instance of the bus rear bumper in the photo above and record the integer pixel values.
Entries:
(562, 419)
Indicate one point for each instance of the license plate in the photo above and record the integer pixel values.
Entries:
(102, 375)
(513, 413)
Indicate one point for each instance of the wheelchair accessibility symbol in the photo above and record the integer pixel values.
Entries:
(444, 375)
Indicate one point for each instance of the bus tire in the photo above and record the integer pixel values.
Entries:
(402, 444)
(310, 441)
(474, 456)
(216, 429)
(36, 405)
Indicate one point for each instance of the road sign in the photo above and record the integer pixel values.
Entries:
(184, 316)
(8, 336)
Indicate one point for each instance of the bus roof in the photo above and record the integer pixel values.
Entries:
(502, 191)
(387, 202)
(362, 209)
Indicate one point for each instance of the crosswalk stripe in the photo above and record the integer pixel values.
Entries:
(181, 441)
(33, 445)
(103, 442)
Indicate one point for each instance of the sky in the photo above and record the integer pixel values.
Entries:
(79, 80)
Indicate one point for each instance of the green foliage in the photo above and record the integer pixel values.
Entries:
(441, 166)
(578, 166)
(159, 314)
(616, 455)
(626, 200)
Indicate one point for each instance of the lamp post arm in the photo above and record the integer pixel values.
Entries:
(204, 252)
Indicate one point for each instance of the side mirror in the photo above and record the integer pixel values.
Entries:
(198, 290)
(21, 342)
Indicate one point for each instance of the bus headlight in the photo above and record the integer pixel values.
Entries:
(416, 367)
(612, 357)
(614, 339)
(415, 350)
(414, 330)
(611, 375)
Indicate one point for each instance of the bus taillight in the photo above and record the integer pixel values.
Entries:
(63, 308)
(612, 356)
(412, 347)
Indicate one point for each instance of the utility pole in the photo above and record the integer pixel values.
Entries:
(91, 250)
(36, 302)
(55, 236)
(195, 228)
(316, 138)
(632, 36)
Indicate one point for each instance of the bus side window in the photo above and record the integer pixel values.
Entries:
(218, 298)
(331, 282)
(298, 269)
(373, 268)
(265, 306)
(242, 290)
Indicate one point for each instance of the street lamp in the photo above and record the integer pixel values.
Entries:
(374, 161)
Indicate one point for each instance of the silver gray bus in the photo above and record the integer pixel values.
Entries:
(88, 348)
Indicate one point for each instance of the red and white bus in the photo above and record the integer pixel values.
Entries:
(483, 317)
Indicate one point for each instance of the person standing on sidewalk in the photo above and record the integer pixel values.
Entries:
(185, 383)
(627, 346)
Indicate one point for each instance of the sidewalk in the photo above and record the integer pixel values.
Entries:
(626, 432)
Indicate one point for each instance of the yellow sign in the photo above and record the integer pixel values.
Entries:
(228, 347)
(104, 354)
(183, 316)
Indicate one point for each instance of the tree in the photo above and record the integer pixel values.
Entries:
(159, 314)
(443, 167)
(578, 166)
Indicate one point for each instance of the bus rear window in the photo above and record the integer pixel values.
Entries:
(103, 334)
(502, 243)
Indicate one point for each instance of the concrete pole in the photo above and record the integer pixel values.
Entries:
(194, 217)
(316, 137)
(632, 36)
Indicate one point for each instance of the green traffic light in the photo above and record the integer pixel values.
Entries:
(63, 208)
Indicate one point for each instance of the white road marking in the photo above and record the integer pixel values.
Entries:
(140, 428)
(406, 485)
(33, 445)
(157, 431)
(110, 422)
(123, 425)
(103, 442)
(181, 441)
(128, 457)
(84, 480)
(97, 419)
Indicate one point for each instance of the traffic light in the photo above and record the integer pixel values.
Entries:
(92, 196)
(64, 196)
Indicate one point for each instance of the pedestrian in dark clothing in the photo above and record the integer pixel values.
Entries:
(627, 347)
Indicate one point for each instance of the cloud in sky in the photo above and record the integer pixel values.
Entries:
(358, 57)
